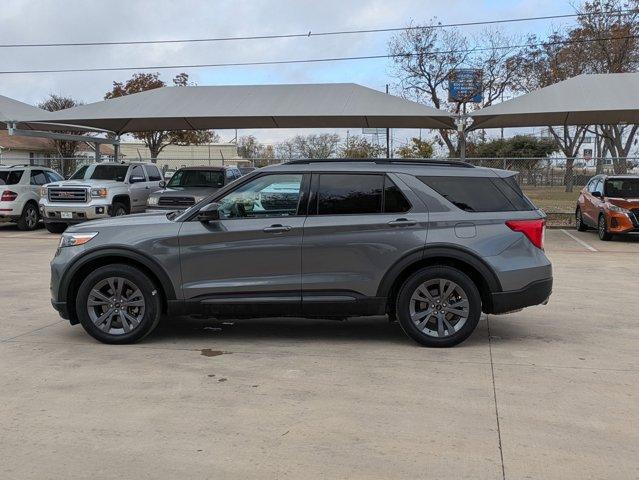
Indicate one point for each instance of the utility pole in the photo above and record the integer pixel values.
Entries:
(388, 147)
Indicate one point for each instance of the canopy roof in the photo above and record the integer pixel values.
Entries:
(582, 100)
(253, 106)
(13, 111)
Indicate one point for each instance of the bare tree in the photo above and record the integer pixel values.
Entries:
(66, 148)
(426, 57)
(158, 140)
(357, 146)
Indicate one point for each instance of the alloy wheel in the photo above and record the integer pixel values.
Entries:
(439, 307)
(116, 305)
(31, 217)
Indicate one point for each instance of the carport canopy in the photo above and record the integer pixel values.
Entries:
(340, 105)
(12, 111)
(598, 99)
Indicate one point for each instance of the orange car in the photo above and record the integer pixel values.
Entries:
(609, 203)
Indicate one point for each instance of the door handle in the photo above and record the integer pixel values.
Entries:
(402, 222)
(277, 228)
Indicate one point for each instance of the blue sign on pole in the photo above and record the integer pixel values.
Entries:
(465, 85)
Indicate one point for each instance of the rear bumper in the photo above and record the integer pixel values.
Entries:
(534, 293)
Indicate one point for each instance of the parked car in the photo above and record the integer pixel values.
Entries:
(190, 185)
(96, 191)
(432, 244)
(609, 203)
(20, 193)
(247, 170)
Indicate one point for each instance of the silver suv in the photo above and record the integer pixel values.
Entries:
(20, 193)
(431, 244)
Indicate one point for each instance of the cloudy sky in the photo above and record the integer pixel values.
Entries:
(47, 21)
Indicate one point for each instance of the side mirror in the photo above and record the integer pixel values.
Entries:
(162, 184)
(137, 179)
(597, 194)
(209, 213)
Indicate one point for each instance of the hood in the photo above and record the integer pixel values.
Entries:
(627, 203)
(197, 193)
(83, 183)
(135, 220)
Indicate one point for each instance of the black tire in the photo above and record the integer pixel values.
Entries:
(428, 274)
(30, 217)
(579, 221)
(55, 227)
(118, 209)
(149, 317)
(602, 229)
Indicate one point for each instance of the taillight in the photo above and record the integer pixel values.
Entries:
(533, 229)
(8, 196)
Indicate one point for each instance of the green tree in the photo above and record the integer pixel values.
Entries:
(417, 148)
(157, 140)
(521, 152)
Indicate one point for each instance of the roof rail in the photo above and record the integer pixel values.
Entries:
(385, 161)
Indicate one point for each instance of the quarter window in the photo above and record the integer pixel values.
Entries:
(53, 176)
(480, 194)
(344, 194)
(153, 173)
(265, 196)
(394, 199)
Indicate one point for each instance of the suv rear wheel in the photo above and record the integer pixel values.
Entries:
(438, 306)
(29, 218)
(579, 221)
(118, 304)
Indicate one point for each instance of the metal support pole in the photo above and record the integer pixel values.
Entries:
(388, 148)
(461, 129)
(97, 151)
(116, 148)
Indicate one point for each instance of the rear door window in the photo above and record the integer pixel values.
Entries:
(480, 194)
(348, 194)
(38, 177)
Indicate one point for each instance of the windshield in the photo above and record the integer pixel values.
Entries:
(197, 178)
(101, 172)
(10, 177)
(622, 187)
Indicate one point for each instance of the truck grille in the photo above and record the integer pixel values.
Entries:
(67, 195)
(176, 201)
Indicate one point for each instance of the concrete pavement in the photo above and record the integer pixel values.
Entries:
(549, 392)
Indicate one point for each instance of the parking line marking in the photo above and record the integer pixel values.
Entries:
(579, 241)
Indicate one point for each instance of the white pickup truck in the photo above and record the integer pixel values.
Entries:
(96, 191)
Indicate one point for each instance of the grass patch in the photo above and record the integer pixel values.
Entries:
(553, 199)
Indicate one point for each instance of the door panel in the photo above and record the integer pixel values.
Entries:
(350, 253)
(252, 255)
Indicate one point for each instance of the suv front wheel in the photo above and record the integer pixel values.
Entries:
(118, 304)
(438, 306)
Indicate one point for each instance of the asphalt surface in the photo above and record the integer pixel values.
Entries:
(549, 392)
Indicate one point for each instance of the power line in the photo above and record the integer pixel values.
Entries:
(314, 60)
(312, 34)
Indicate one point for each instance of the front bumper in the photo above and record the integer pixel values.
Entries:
(622, 222)
(535, 293)
(54, 212)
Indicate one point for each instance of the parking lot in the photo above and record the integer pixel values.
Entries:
(549, 392)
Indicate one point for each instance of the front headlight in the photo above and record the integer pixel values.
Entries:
(43, 191)
(99, 192)
(615, 208)
(75, 239)
(153, 201)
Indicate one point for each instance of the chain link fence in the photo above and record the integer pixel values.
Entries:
(552, 183)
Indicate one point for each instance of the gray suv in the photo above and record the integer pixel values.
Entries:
(430, 243)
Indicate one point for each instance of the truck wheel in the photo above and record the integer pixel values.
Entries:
(55, 227)
(29, 218)
(118, 209)
(118, 304)
(438, 306)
